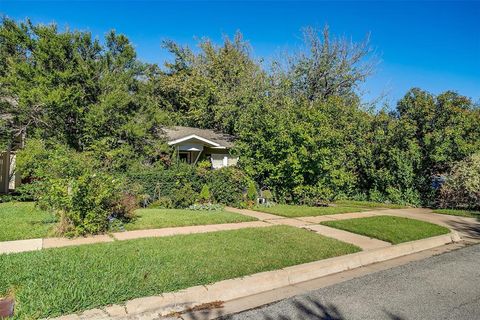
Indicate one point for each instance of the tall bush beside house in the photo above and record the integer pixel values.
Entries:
(69, 184)
(227, 185)
(462, 187)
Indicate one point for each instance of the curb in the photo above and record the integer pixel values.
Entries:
(232, 289)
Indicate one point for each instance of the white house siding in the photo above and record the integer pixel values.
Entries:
(220, 160)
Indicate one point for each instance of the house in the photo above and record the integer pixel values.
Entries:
(193, 145)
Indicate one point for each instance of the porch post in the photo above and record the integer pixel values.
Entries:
(5, 171)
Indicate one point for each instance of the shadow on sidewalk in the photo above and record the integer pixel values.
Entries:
(310, 309)
(468, 229)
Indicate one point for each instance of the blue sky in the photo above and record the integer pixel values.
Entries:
(432, 45)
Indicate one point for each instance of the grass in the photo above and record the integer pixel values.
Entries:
(391, 229)
(461, 213)
(163, 218)
(292, 211)
(59, 281)
(21, 220)
(368, 204)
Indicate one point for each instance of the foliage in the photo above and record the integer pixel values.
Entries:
(68, 184)
(462, 186)
(204, 196)
(228, 185)
(267, 195)
(302, 129)
(251, 191)
(160, 182)
(184, 196)
(162, 203)
(68, 87)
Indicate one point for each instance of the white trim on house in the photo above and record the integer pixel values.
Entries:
(194, 136)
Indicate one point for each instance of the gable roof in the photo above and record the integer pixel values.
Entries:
(179, 134)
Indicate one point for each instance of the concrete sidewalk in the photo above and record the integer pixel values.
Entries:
(365, 243)
(46, 243)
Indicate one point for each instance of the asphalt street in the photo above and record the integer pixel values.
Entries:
(446, 286)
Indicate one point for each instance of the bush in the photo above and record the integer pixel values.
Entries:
(267, 195)
(184, 197)
(69, 184)
(252, 191)
(227, 185)
(204, 196)
(157, 182)
(162, 203)
(461, 189)
(312, 195)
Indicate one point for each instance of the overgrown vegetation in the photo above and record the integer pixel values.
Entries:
(86, 277)
(302, 129)
(462, 187)
(68, 183)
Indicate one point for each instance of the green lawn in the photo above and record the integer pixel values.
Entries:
(163, 218)
(368, 204)
(461, 213)
(292, 211)
(21, 220)
(391, 229)
(51, 282)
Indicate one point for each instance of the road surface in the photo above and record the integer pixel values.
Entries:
(446, 286)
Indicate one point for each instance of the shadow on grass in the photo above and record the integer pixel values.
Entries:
(308, 308)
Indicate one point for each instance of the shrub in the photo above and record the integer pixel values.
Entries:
(162, 203)
(70, 185)
(312, 195)
(227, 185)
(462, 186)
(267, 195)
(252, 191)
(204, 196)
(157, 182)
(184, 197)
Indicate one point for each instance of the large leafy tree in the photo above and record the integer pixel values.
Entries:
(67, 87)
(211, 89)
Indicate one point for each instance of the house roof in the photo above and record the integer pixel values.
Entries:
(179, 134)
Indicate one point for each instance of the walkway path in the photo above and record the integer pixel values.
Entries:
(365, 243)
(38, 244)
